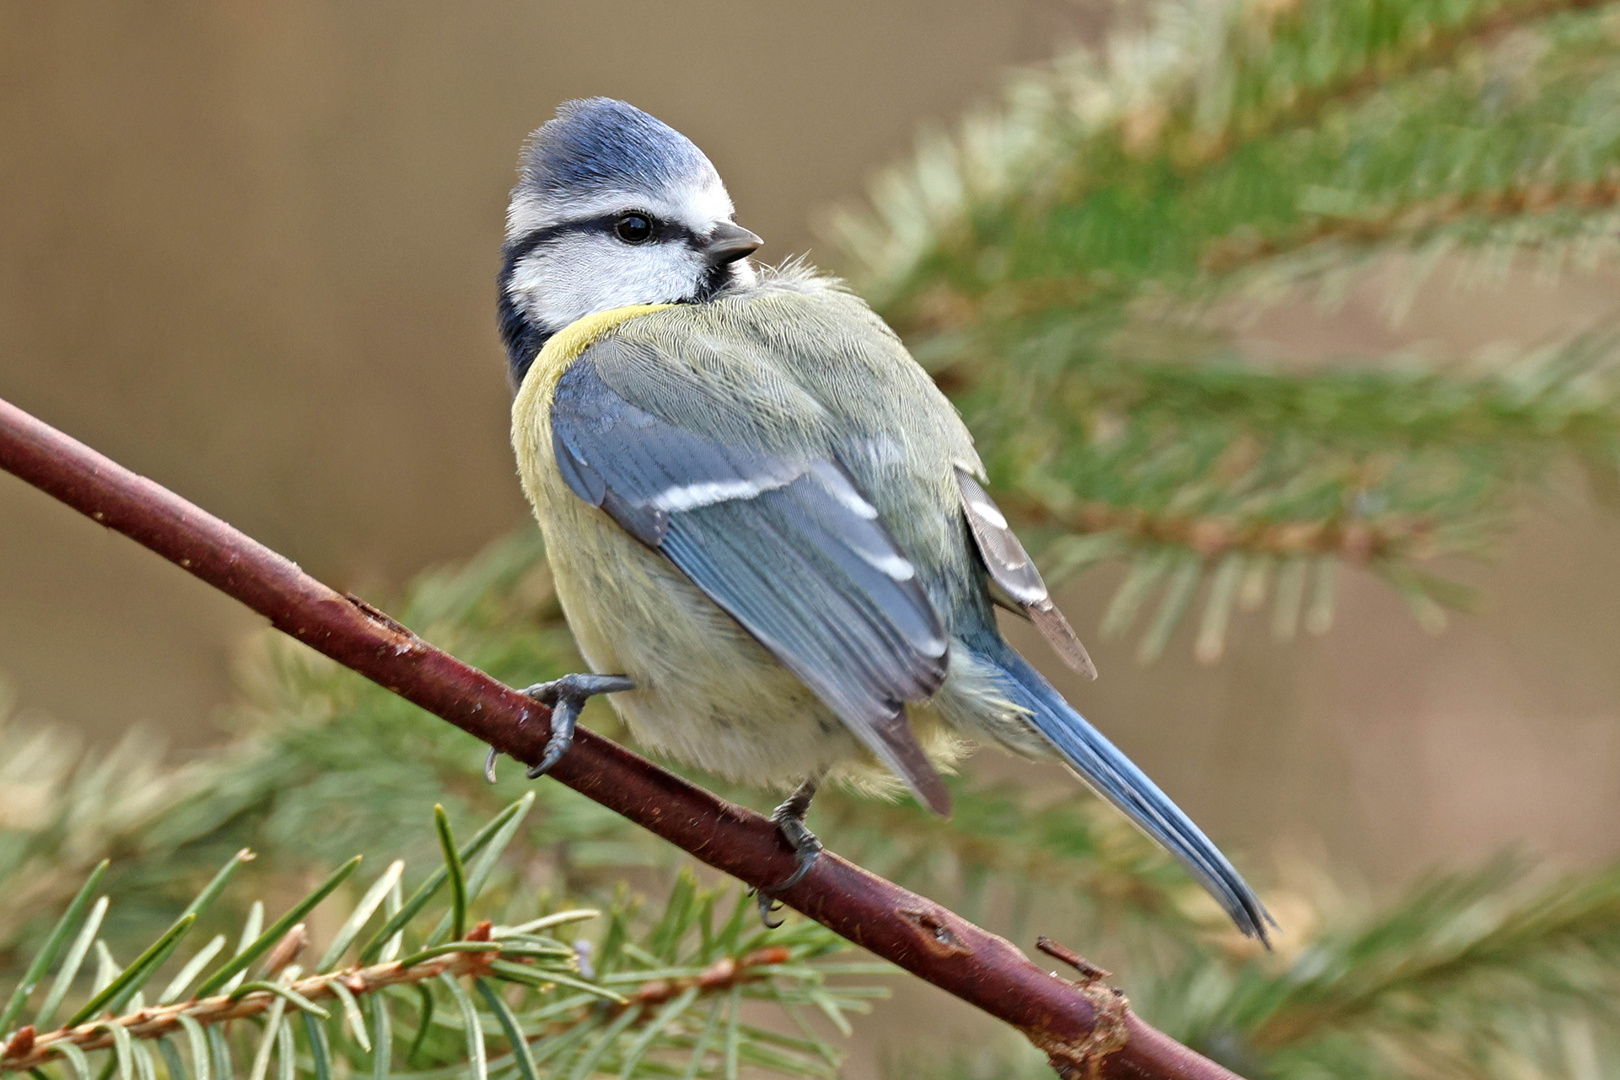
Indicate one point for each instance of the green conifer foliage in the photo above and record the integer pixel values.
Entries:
(1067, 264)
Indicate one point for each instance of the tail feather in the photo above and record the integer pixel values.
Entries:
(1113, 776)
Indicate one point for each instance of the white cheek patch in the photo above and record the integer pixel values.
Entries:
(584, 273)
(580, 271)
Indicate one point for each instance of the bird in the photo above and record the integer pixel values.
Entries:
(768, 529)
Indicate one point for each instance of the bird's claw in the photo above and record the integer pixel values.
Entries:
(766, 896)
(767, 903)
(789, 821)
(566, 697)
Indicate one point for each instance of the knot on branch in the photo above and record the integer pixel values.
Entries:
(934, 933)
(404, 639)
(1082, 1058)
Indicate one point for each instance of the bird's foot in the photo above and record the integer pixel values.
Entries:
(789, 821)
(566, 697)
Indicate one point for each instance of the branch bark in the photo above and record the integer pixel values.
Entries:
(1086, 1028)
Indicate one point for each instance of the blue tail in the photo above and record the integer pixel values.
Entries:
(1112, 775)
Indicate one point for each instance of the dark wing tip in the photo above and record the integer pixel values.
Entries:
(897, 745)
(1061, 636)
(1251, 916)
(1013, 572)
(932, 793)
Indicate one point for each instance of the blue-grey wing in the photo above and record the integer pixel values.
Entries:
(782, 541)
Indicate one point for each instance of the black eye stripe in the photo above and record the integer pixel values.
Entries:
(530, 242)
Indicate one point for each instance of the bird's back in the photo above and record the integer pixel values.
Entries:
(832, 376)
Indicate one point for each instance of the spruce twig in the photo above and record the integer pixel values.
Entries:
(154, 1023)
(28, 1049)
(1075, 264)
(633, 1012)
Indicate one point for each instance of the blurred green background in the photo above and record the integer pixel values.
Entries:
(249, 250)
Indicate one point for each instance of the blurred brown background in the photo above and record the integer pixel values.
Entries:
(249, 250)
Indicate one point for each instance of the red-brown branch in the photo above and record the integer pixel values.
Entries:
(1085, 1028)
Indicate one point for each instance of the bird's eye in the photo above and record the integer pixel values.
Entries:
(633, 228)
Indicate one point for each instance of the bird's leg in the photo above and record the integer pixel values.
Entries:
(789, 821)
(566, 696)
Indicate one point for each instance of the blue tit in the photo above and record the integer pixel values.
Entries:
(767, 527)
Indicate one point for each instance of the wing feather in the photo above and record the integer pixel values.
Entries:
(782, 541)
(1014, 572)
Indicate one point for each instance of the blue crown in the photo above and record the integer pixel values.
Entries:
(600, 143)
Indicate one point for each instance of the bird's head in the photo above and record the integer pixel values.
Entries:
(612, 207)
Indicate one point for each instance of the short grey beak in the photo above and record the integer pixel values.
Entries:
(728, 243)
